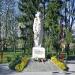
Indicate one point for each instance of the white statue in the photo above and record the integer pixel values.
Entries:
(38, 29)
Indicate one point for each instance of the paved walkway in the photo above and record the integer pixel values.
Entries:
(71, 65)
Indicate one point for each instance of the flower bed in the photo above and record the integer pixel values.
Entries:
(58, 63)
(19, 63)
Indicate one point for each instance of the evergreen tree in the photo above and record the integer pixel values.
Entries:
(52, 27)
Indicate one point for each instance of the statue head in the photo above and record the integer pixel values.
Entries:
(38, 14)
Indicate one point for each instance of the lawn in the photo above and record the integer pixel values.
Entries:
(7, 56)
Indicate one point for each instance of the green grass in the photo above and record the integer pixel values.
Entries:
(12, 55)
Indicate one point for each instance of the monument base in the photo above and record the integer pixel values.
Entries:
(38, 52)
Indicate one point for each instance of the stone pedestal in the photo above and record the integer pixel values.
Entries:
(38, 52)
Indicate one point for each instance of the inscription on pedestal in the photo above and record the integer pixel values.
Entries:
(38, 52)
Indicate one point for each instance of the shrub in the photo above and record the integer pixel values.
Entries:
(19, 63)
(59, 63)
(14, 63)
(19, 67)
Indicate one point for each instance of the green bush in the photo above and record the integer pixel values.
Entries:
(14, 63)
(58, 63)
(19, 63)
(20, 66)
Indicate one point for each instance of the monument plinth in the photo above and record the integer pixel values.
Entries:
(37, 50)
